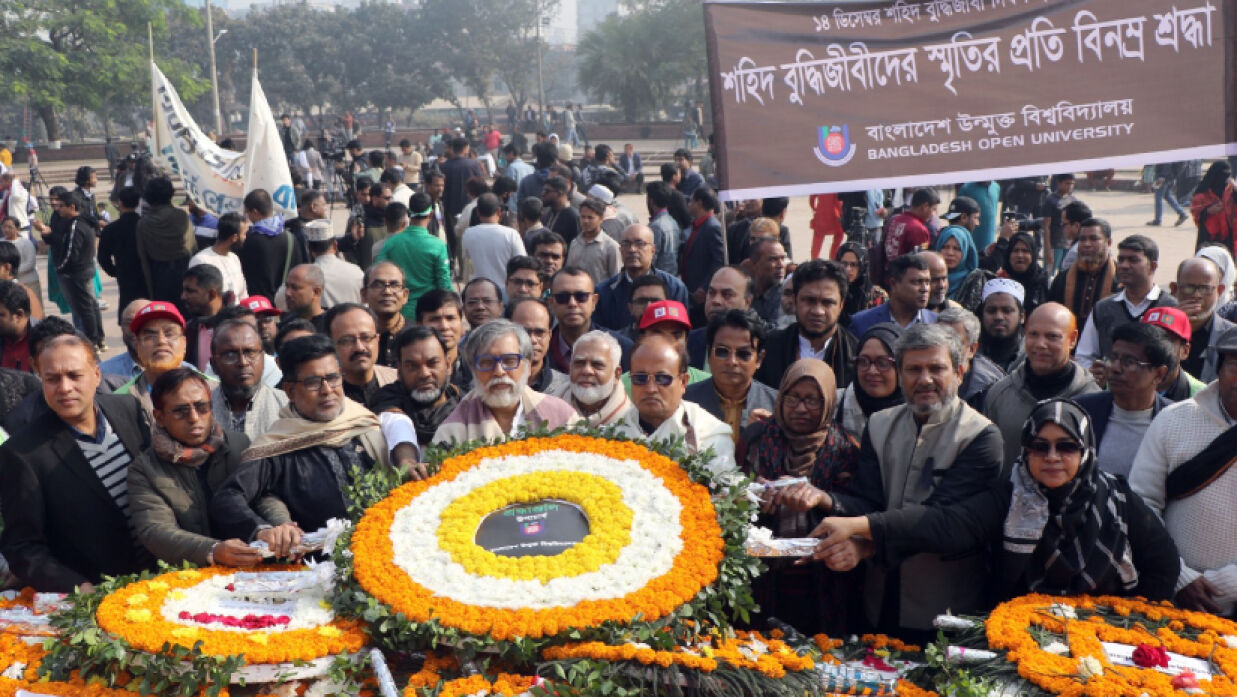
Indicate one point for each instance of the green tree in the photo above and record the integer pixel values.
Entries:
(642, 59)
(84, 53)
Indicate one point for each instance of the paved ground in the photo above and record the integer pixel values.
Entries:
(1126, 210)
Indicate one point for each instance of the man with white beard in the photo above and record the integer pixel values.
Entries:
(499, 353)
(424, 390)
(595, 390)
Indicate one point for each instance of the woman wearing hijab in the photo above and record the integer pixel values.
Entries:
(861, 293)
(875, 386)
(1022, 265)
(1065, 527)
(957, 248)
(1213, 207)
(801, 440)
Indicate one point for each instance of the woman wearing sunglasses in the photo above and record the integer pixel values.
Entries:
(1064, 526)
(171, 485)
(802, 440)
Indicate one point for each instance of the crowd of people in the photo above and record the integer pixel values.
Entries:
(961, 408)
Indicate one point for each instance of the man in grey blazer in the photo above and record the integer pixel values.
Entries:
(735, 343)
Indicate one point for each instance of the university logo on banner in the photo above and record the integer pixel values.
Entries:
(898, 93)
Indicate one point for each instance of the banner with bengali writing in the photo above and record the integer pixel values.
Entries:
(819, 97)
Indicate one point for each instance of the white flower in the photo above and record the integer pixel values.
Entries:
(655, 536)
(1066, 611)
(1089, 667)
(1230, 641)
(1057, 648)
(952, 622)
(300, 595)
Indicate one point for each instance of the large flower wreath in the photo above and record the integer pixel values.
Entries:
(664, 543)
(1075, 647)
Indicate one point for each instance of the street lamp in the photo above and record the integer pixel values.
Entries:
(214, 74)
(540, 81)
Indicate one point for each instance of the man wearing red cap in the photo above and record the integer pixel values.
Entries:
(160, 332)
(668, 319)
(268, 320)
(1178, 385)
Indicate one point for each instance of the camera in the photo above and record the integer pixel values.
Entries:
(1026, 223)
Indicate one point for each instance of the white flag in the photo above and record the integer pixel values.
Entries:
(266, 164)
(211, 174)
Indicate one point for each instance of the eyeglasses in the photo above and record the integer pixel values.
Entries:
(1127, 362)
(882, 363)
(579, 296)
(635, 244)
(1062, 447)
(486, 362)
(743, 355)
(169, 334)
(810, 403)
(250, 356)
(314, 383)
(183, 411)
(350, 340)
(642, 379)
(393, 286)
(1190, 289)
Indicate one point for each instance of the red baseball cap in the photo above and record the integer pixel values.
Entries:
(665, 311)
(1170, 318)
(156, 310)
(260, 305)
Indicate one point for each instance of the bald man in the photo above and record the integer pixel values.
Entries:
(659, 378)
(1048, 372)
(638, 251)
(303, 295)
(1198, 289)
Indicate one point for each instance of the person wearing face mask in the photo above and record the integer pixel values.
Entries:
(875, 386)
(1065, 526)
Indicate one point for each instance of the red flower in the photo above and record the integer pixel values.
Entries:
(1148, 656)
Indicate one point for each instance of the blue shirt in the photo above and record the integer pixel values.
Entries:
(863, 321)
(986, 194)
(615, 292)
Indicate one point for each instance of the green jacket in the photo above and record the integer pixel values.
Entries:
(423, 259)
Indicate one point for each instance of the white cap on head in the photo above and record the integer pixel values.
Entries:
(1004, 285)
(319, 231)
(601, 192)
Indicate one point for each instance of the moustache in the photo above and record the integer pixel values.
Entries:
(359, 354)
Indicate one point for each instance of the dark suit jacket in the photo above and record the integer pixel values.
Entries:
(61, 526)
(782, 349)
(759, 396)
(701, 255)
(1098, 406)
(698, 348)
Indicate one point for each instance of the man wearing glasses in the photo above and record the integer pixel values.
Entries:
(500, 354)
(242, 402)
(736, 347)
(384, 292)
(306, 459)
(160, 331)
(354, 331)
(637, 250)
(573, 302)
(659, 380)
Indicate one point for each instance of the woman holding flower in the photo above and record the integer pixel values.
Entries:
(1065, 527)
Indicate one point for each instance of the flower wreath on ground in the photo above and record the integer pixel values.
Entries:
(187, 629)
(663, 541)
(1097, 646)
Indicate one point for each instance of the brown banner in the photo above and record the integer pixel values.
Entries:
(842, 96)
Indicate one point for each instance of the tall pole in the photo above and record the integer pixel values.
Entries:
(214, 74)
(540, 81)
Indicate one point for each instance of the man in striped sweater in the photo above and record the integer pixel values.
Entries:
(65, 494)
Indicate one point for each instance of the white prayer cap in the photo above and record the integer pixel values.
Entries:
(601, 192)
(1004, 285)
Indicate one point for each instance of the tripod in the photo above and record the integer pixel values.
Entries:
(37, 186)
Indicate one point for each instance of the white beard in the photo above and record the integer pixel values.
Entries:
(591, 395)
(503, 400)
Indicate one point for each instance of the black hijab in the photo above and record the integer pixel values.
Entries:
(859, 293)
(1073, 539)
(888, 334)
(1034, 272)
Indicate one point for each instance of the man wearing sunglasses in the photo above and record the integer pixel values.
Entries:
(668, 319)
(500, 354)
(736, 347)
(659, 380)
(306, 458)
(572, 300)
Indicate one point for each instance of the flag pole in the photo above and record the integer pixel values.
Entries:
(150, 37)
(255, 58)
